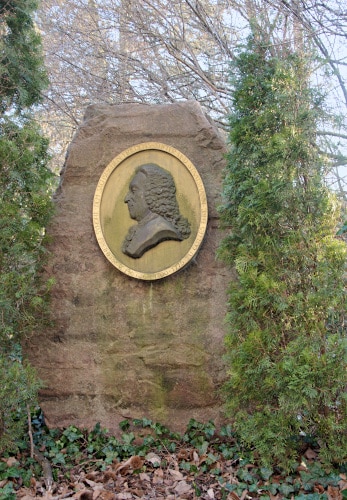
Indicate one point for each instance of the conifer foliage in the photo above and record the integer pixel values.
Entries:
(25, 206)
(286, 345)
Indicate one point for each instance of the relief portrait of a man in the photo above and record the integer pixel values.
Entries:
(152, 202)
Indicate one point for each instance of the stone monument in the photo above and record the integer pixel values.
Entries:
(139, 301)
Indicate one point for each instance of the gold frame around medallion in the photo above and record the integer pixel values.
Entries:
(147, 151)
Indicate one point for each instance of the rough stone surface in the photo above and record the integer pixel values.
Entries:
(119, 347)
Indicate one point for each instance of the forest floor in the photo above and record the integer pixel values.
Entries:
(150, 462)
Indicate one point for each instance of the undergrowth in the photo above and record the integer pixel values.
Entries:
(202, 450)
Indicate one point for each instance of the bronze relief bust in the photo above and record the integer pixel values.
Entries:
(151, 201)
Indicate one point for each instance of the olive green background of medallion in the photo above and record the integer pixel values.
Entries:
(112, 220)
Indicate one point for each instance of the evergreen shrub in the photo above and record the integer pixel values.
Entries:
(25, 206)
(286, 344)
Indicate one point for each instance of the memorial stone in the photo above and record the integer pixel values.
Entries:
(139, 299)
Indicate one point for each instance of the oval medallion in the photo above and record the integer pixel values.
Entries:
(150, 211)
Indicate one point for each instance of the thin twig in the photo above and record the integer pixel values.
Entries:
(30, 432)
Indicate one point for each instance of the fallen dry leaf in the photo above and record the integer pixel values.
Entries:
(106, 495)
(245, 493)
(89, 482)
(333, 493)
(153, 459)
(10, 462)
(184, 454)
(92, 476)
(318, 488)
(144, 477)
(158, 476)
(182, 487)
(210, 493)
(123, 496)
(233, 496)
(310, 454)
(176, 474)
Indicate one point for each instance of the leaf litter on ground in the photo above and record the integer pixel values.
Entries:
(150, 462)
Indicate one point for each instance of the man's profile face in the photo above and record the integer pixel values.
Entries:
(135, 198)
